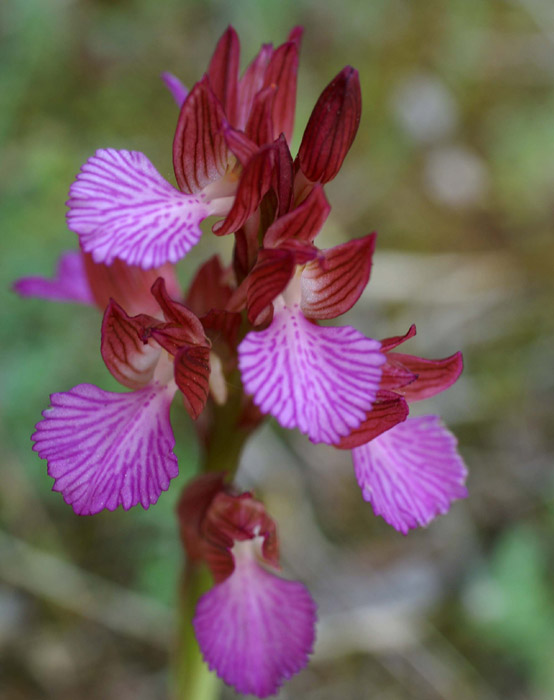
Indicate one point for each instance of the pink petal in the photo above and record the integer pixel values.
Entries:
(176, 88)
(121, 207)
(106, 449)
(411, 473)
(255, 630)
(69, 284)
(320, 380)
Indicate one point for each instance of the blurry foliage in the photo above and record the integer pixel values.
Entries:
(454, 155)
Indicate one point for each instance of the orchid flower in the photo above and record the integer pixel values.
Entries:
(106, 449)
(80, 280)
(410, 471)
(254, 628)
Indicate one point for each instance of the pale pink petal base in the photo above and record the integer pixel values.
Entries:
(69, 284)
(106, 449)
(256, 630)
(121, 207)
(320, 380)
(411, 473)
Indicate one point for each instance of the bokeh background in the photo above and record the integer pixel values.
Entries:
(454, 167)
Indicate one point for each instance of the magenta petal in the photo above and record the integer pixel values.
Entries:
(121, 207)
(255, 630)
(69, 284)
(176, 88)
(320, 380)
(106, 449)
(411, 473)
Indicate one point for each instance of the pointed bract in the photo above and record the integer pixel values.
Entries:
(253, 184)
(320, 380)
(331, 128)
(121, 207)
(259, 127)
(333, 283)
(268, 279)
(411, 473)
(106, 449)
(303, 223)
(70, 282)
(192, 374)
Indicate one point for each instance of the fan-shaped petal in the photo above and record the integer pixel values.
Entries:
(255, 629)
(121, 207)
(106, 449)
(411, 473)
(320, 380)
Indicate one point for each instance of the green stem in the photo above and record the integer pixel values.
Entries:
(222, 446)
(192, 679)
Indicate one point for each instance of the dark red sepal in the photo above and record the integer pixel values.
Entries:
(254, 183)
(433, 376)
(295, 35)
(396, 340)
(177, 315)
(242, 147)
(200, 153)
(283, 176)
(282, 72)
(223, 72)
(332, 127)
(251, 83)
(395, 375)
(191, 509)
(268, 278)
(302, 223)
(231, 518)
(210, 288)
(388, 410)
(192, 375)
(333, 283)
(259, 127)
(125, 348)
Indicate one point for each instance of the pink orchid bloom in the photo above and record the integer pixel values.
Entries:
(254, 628)
(106, 449)
(411, 471)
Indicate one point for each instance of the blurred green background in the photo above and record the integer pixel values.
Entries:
(454, 167)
